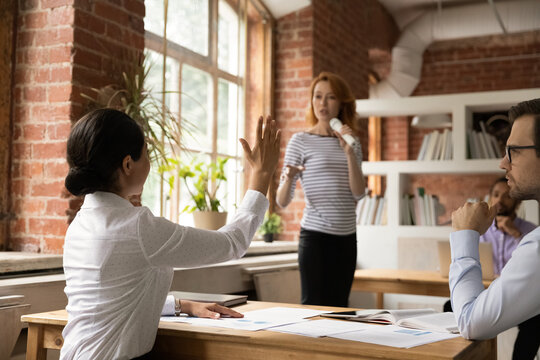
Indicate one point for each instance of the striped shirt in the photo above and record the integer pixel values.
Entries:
(330, 204)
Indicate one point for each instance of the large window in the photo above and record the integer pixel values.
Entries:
(206, 74)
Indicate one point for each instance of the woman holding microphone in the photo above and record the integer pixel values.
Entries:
(329, 166)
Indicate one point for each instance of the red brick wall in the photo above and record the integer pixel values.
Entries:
(498, 62)
(339, 46)
(293, 75)
(395, 138)
(63, 47)
(41, 123)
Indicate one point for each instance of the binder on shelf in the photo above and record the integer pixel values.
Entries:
(410, 204)
(360, 208)
(497, 149)
(419, 206)
(432, 145)
(384, 215)
(422, 152)
(367, 209)
(449, 147)
(378, 216)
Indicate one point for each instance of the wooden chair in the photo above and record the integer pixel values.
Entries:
(11, 309)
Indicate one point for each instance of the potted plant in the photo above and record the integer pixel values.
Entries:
(271, 225)
(131, 95)
(202, 181)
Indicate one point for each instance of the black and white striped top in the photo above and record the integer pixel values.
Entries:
(330, 204)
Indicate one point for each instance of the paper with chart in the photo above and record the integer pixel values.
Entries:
(395, 336)
(252, 320)
(319, 328)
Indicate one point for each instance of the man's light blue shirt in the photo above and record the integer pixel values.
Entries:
(511, 299)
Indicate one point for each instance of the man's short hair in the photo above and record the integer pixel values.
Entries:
(529, 107)
(499, 180)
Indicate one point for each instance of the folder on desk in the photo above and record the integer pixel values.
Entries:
(221, 299)
(486, 259)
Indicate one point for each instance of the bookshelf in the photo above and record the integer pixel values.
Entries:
(378, 246)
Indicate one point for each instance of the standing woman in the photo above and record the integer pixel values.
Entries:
(330, 172)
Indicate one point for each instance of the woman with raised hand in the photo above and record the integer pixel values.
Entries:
(119, 259)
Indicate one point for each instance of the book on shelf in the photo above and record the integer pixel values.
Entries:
(449, 147)
(405, 212)
(436, 146)
(419, 205)
(432, 145)
(384, 215)
(419, 209)
(482, 145)
(371, 210)
(433, 204)
(423, 147)
(379, 213)
(425, 319)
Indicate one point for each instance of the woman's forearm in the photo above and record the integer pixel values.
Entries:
(283, 193)
(357, 182)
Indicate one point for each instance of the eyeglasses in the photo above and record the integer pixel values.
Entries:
(509, 149)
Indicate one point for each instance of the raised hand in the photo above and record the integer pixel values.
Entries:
(264, 156)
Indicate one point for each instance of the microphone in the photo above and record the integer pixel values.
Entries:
(336, 125)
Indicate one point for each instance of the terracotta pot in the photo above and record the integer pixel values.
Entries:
(209, 220)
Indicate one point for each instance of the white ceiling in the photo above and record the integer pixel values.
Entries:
(403, 11)
(280, 8)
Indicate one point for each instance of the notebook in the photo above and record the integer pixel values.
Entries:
(221, 299)
(486, 259)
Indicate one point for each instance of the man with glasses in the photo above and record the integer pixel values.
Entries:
(514, 297)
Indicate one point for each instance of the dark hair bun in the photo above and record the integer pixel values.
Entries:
(81, 181)
(96, 146)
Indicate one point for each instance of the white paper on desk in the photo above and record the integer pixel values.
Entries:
(244, 323)
(319, 328)
(175, 319)
(396, 336)
(283, 313)
(252, 320)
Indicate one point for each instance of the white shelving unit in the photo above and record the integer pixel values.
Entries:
(378, 245)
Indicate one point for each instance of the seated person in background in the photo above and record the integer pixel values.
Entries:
(513, 298)
(119, 259)
(507, 229)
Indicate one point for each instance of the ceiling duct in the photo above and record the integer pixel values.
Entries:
(452, 23)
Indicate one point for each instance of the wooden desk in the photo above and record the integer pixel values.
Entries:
(414, 282)
(185, 341)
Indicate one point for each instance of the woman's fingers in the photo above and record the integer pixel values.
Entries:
(258, 133)
(246, 147)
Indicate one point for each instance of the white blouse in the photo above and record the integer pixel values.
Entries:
(118, 263)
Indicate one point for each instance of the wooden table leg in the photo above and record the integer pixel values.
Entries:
(34, 343)
(380, 300)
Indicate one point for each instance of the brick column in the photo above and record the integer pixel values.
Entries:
(63, 48)
(294, 72)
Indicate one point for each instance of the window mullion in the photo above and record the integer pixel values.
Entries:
(214, 21)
